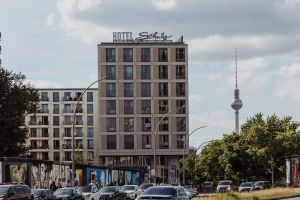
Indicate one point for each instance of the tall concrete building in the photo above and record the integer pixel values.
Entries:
(50, 129)
(147, 80)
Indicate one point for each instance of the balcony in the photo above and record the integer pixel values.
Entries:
(45, 146)
(79, 122)
(43, 111)
(67, 123)
(44, 99)
(67, 146)
(68, 111)
(67, 135)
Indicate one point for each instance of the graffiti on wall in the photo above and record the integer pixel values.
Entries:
(17, 172)
(96, 176)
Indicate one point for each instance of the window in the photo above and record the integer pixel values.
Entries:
(145, 72)
(164, 125)
(79, 132)
(45, 144)
(67, 108)
(146, 124)
(146, 141)
(55, 120)
(162, 54)
(110, 89)
(45, 156)
(44, 121)
(55, 96)
(68, 156)
(163, 106)
(111, 72)
(77, 95)
(128, 54)
(128, 125)
(128, 89)
(145, 54)
(128, 141)
(180, 141)
(128, 107)
(55, 144)
(67, 96)
(180, 103)
(181, 124)
(67, 120)
(163, 71)
(110, 124)
(90, 144)
(180, 72)
(146, 89)
(33, 144)
(163, 89)
(128, 72)
(56, 132)
(90, 155)
(68, 132)
(56, 156)
(78, 120)
(90, 132)
(146, 106)
(110, 54)
(110, 107)
(180, 54)
(55, 108)
(45, 132)
(44, 96)
(90, 97)
(90, 120)
(33, 132)
(79, 144)
(90, 108)
(44, 108)
(180, 89)
(111, 142)
(164, 141)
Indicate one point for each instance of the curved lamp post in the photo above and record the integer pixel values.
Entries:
(73, 127)
(184, 146)
(156, 135)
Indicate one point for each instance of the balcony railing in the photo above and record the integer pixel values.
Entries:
(44, 99)
(43, 110)
(67, 146)
(67, 123)
(67, 135)
(39, 147)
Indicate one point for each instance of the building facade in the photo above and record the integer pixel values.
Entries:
(50, 129)
(146, 80)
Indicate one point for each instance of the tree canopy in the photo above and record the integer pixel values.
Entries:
(16, 99)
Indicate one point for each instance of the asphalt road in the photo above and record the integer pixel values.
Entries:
(296, 198)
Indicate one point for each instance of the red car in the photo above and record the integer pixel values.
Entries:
(11, 192)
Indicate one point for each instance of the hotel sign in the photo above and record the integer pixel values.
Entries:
(127, 36)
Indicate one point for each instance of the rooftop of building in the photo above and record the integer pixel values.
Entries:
(60, 89)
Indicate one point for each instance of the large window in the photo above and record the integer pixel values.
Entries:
(55, 108)
(180, 89)
(55, 120)
(146, 124)
(128, 107)
(111, 124)
(90, 109)
(163, 106)
(128, 54)
(146, 106)
(68, 132)
(145, 54)
(90, 120)
(180, 72)
(44, 96)
(128, 72)
(110, 72)
(128, 142)
(56, 132)
(78, 132)
(146, 141)
(111, 142)
(89, 97)
(146, 89)
(110, 89)
(180, 141)
(128, 124)
(110, 107)
(163, 71)
(181, 124)
(90, 132)
(164, 125)
(110, 54)
(164, 141)
(128, 89)
(55, 96)
(180, 103)
(67, 96)
(145, 72)
(180, 54)
(90, 144)
(163, 89)
(163, 55)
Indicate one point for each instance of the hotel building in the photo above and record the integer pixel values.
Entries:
(146, 80)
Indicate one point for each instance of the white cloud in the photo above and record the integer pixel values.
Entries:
(194, 98)
(50, 19)
(45, 84)
(164, 4)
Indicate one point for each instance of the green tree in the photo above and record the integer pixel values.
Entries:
(16, 99)
(78, 157)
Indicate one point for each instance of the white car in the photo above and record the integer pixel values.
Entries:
(130, 191)
(90, 192)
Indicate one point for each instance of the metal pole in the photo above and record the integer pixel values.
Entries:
(73, 127)
(155, 138)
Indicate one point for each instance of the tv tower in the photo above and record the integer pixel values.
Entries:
(236, 102)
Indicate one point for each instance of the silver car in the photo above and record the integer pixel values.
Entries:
(164, 192)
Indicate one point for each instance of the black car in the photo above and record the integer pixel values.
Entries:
(112, 192)
(164, 192)
(259, 185)
(69, 194)
(43, 194)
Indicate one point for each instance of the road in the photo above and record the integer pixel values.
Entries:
(296, 198)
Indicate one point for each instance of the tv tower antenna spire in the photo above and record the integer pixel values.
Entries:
(236, 102)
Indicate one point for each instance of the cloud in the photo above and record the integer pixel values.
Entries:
(163, 4)
(50, 19)
(45, 84)
(194, 98)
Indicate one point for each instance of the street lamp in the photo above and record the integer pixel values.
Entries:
(73, 127)
(156, 135)
(184, 146)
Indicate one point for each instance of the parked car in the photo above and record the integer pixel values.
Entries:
(90, 192)
(130, 191)
(207, 187)
(164, 192)
(188, 193)
(246, 187)
(112, 192)
(10, 191)
(143, 187)
(69, 194)
(43, 194)
(259, 185)
(224, 186)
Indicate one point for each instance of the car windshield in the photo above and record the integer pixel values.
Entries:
(246, 185)
(145, 186)
(37, 192)
(224, 183)
(3, 190)
(86, 189)
(260, 183)
(63, 191)
(161, 191)
(108, 190)
(129, 187)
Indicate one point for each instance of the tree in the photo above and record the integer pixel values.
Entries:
(17, 98)
(78, 157)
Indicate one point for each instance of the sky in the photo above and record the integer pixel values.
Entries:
(54, 43)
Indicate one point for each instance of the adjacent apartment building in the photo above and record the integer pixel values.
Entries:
(146, 80)
(50, 129)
